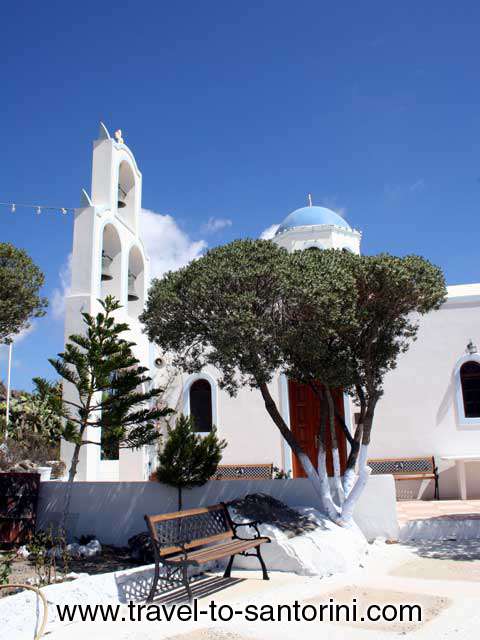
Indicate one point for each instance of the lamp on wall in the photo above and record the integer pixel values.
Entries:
(122, 194)
(106, 264)
(471, 347)
(132, 294)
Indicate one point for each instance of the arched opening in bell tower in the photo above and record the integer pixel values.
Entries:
(111, 269)
(126, 194)
(136, 281)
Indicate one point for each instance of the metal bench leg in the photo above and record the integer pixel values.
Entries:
(228, 570)
(262, 563)
(186, 583)
(156, 575)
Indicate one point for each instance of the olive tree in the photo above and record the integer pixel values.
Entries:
(226, 309)
(20, 283)
(354, 316)
(392, 293)
(329, 319)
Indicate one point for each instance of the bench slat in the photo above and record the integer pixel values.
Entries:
(217, 551)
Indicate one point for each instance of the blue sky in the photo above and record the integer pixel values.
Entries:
(235, 111)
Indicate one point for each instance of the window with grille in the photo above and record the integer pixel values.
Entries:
(470, 380)
(201, 404)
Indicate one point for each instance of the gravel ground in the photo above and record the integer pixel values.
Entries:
(392, 574)
(111, 559)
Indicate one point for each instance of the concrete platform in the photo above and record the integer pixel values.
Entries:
(439, 520)
(409, 510)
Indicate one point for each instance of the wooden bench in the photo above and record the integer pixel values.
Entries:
(196, 536)
(243, 472)
(419, 468)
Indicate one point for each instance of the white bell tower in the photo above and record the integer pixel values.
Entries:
(108, 258)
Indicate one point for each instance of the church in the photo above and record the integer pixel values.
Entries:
(431, 405)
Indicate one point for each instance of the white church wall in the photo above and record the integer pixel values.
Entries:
(418, 414)
(323, 237)
(242, 421)
(114, 511)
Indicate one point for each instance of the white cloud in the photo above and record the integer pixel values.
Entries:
(167, 245)
(24, 333)
(17, 338)
(269, 232)
(416, 186)
(397, 191)
(216, 224)
(59, 294)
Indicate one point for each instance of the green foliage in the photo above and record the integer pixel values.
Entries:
(319, 316)
(32, 447)
(250, 309)
(188, 459)
(112, 391)
(39, 413)
(224, 309)
(6, 561)
(20, 283)
(279, 474)
(45, 549)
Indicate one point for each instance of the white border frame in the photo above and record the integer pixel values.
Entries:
(203, 375)
(461, 418)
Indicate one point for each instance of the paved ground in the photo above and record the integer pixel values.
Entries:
(409, 510)
(442, 577)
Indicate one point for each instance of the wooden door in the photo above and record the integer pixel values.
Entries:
(304, 422)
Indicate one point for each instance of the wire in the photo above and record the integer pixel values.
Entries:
(36, 590)
(37, 207)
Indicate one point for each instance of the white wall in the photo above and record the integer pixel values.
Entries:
(97, 213)
(418, 413)
(113, 511)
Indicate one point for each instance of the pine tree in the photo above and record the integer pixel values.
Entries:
(188, 459)
(111, 388)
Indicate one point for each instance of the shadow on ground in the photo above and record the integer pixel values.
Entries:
(461, 550)
(136, 587)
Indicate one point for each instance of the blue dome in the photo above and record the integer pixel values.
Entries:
(312, 216)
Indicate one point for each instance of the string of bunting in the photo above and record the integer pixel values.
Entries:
(38, 208)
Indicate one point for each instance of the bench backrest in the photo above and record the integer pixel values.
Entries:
(192, 527)
(403, 466)
(243, 472)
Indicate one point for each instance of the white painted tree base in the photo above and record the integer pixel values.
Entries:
(327, 550)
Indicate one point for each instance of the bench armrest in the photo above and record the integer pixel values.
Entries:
(253, 524)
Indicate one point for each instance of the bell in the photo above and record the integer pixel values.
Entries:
(121, 204)
(106, 263)
(132, 296)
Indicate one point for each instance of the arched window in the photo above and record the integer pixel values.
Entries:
(470, 381)
(201, 404)
(111, 265)
(126, 194)
(135, 282)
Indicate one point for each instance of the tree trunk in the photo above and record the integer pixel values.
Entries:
(327, 499)
(180, 503)
(349, 476)
(339, 417)
(71, 477)
(363, 468)
(335, 452)
(357, 488)
(274, 413)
